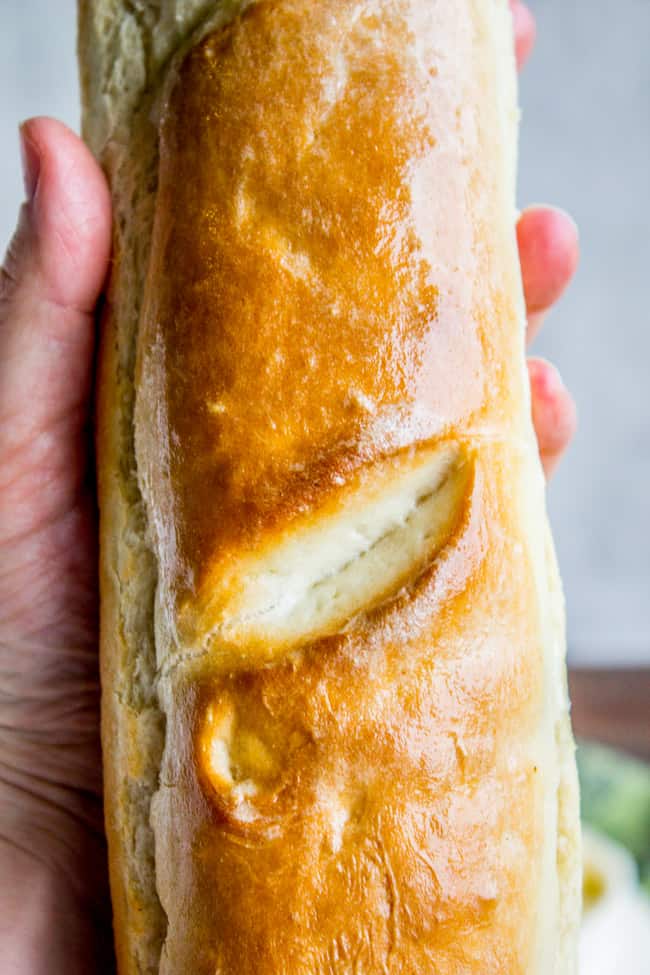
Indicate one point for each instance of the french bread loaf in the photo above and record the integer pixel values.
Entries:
(335, 717)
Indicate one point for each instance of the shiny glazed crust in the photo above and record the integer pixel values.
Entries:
(335, 719)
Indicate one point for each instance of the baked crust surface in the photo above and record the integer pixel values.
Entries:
(367, 764)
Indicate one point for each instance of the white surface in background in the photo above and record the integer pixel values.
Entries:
(586, 145)
(615, 932)
(615, 936)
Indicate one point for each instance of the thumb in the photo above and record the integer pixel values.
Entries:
(49, 284)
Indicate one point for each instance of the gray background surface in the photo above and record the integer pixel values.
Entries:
(585, 146)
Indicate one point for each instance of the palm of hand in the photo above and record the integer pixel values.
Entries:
(48, 609)
(49, 741)
(50, 768)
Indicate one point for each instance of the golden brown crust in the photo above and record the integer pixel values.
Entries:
(332, 294)
(377, 797)
(325, 305)
(395, 823)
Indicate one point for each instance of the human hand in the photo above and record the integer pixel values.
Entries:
(54, 914)
(54, 909)
(548, 251)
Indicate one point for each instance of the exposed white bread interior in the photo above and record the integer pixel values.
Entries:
(356, 553)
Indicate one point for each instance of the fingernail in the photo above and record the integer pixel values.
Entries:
(565, 216)
(31, 162)
(547, 379)
(536, 208)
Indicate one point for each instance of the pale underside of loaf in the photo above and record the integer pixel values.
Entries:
(125, 47)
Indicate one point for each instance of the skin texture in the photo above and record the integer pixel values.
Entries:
(50, 777)
(54, 913)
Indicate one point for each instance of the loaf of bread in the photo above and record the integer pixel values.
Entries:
(335, 717)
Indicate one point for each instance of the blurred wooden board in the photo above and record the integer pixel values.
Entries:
(613, 707)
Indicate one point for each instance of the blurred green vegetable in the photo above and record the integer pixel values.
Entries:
(645, 877)
(615, 799)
